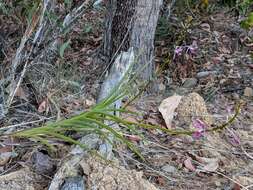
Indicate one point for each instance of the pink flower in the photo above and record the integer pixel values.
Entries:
(200, 127)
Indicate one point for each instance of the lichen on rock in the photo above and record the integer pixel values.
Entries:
(192, 106)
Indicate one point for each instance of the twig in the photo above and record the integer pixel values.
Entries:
(246, 153)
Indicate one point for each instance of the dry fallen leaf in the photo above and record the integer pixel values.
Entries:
(21, 94)
(6, 152)
(167, 108)
(131, 119)
(43, 106)
(5, 155)
(188, 164)
(133, 138)
(160, 181)
(209, 164)
(206, 27)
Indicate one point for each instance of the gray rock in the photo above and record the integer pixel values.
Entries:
(73, 183)
(190, 83)
(169, 168)
(182, 91)
(204, 74)
(42, 163)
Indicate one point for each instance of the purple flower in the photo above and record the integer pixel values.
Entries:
(191, 49)
(178, 51)
(200, 127)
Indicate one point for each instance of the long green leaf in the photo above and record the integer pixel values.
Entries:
(63, 47)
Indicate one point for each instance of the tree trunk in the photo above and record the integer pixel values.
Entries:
(132, 23)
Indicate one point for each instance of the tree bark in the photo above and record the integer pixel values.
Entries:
(132, 23)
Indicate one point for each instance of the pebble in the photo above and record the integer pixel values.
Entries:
(248, 92)
(76, 183)
(162, 87)
(182, 91)
(204, 74)
(190, 83)
(169, 168)
(42, 163)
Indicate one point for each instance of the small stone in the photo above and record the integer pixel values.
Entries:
(89, 102)
(204, 74)
(218, 183)
(162, 87)
(248, 92)
(235, 96)
(182, 91)
(76, 183)
(190, 83)
(169, 168)
(42, 163)
(223, 81)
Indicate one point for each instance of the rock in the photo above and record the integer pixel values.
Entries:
(42, 163)
(112, 176)
(182, 91)
(76, 183)
(204, 74)
(161, 87)
(170, 92)
(248, 92)
(89, 103)
(184, 109)
(218, 183)
(22, 179)
(97, 3)
(169, 168)
(190, 83)
(192, 107)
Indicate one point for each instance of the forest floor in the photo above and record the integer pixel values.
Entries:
(219, 69)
